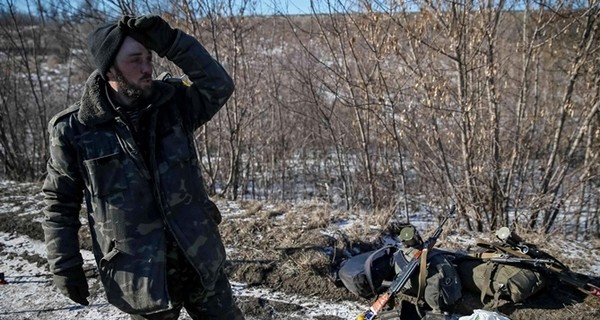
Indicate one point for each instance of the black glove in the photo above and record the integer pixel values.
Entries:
(151, 31)
(73, 284)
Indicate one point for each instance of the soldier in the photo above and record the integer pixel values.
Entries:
(127, 148)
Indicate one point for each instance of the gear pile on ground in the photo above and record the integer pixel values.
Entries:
(408, 278)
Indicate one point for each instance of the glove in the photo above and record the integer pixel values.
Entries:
(151, 31)
(73, 284)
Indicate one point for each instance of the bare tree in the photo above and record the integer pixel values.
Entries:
(489, 104)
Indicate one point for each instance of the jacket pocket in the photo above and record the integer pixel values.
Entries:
(134, 281)
(106, 176)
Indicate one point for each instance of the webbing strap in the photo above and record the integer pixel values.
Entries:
(487, 278)
(412, 300)
(497, 294)
(422, 273)
(422, 278)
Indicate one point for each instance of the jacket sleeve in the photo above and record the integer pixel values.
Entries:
(211, 84)
(63, 194)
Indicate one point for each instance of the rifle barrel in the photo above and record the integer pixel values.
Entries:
(521, 260)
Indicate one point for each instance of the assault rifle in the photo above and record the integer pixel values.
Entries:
(515, 249)
(402, 278)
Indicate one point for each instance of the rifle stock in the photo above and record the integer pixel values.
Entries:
(401, 279)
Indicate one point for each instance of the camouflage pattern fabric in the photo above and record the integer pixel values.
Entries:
(136, 196)
(199, 303)
(443, 287)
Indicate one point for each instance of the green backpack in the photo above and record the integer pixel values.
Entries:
(499, 280)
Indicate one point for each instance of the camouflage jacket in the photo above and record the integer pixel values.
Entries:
(134, 198)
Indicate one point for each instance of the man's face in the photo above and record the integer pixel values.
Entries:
(131, 74)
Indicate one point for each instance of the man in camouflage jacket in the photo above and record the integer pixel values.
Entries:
(127, 148)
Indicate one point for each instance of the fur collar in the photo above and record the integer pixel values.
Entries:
(95, 107)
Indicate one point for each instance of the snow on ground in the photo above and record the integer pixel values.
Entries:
(30, 294)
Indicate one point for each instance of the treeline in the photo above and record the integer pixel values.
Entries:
(388, 105)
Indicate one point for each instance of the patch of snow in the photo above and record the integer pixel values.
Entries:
(30, 293)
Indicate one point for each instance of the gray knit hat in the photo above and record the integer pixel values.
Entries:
(104, 43)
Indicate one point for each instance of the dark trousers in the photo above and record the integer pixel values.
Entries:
(186, 291)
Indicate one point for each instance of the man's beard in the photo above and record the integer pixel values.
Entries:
(131, 90)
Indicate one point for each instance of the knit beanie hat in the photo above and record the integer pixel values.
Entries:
(104, 43)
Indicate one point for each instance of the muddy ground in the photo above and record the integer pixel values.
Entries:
(290, 248)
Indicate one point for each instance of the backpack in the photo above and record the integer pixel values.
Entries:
(499, 280)
(512, 281)
(364, 274)
(442, 287)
